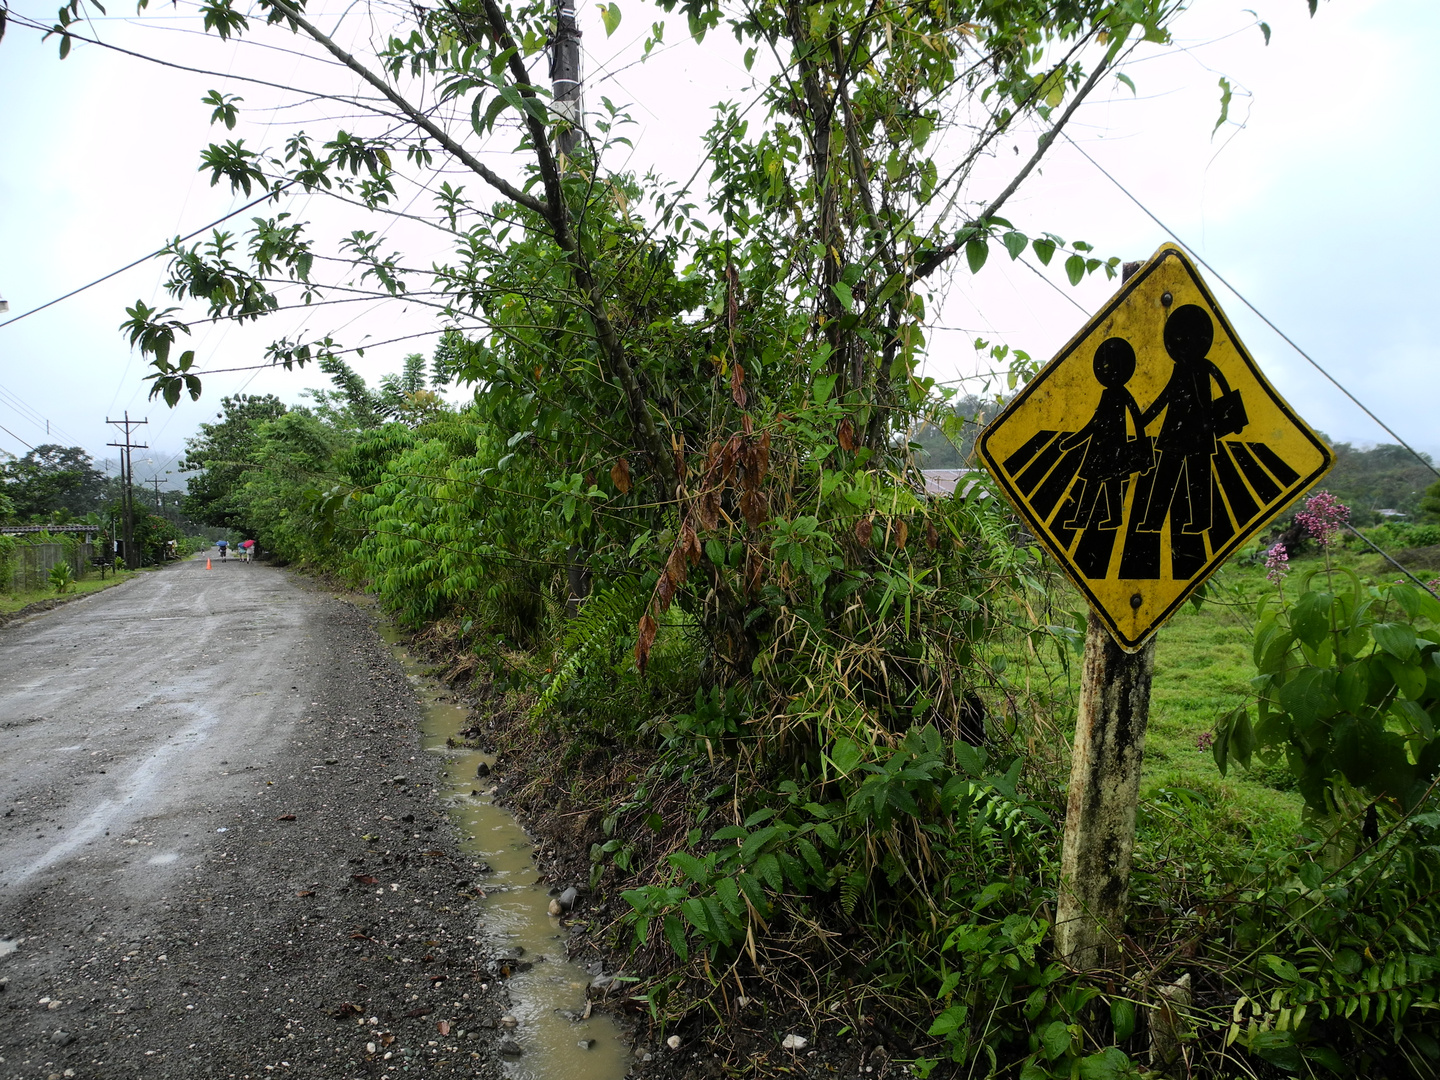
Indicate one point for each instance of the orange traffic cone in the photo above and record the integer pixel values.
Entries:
(207, 564)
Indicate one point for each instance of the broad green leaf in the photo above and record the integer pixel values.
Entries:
(845, 755)
(1055, 1038)
(757, 840)
(1281, 967)
(976, 252)
(675, 935)
(1110, 1064)
(1044, 250)
(1075, 268)
(1409, 677)
(1015, 243)
(1309, 696)
(1310, 617)
(610, 16)
(952, 1019)
(1397, 639)
(1122, 1016)
(695, 869)
(729, 894)
(1242, 736)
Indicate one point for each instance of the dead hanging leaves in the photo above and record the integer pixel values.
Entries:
(737, 466)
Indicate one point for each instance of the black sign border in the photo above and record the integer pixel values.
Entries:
(1037, 526)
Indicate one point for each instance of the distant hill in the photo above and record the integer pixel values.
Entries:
(1385, 477)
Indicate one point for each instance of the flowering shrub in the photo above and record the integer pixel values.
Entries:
(1323, 517)
(1277, 563)
(1347, 683)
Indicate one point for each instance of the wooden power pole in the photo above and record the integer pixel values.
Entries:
(127, 475)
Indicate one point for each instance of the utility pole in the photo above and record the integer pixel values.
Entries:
(127, 495)
(565, 78)
(157, 481)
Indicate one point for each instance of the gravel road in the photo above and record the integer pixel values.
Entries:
(219, 851)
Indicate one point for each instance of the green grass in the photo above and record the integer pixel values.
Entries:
(1203, 666)
(12, 602)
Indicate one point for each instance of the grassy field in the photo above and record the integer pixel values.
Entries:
(12, 602)
(1203, 667)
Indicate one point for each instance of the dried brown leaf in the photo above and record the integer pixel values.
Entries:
(845, 434)
(676, 569)
(620, 476)
(664, 593)
(902, 533)
(365, 879)
(863, 530)
(753, 507)
(645, 638)
(707, 510)
(727, 460)
(737, 383)
(690, 542)
(443, 1027)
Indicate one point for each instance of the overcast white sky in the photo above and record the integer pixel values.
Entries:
(1321, 208)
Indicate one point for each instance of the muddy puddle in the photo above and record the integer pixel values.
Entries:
(547, 992)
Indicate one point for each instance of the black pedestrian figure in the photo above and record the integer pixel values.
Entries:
(1112, 455)
(1193, 421)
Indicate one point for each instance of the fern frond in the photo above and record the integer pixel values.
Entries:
(602, 618)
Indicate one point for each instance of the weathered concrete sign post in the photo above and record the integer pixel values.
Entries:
(1148, 451)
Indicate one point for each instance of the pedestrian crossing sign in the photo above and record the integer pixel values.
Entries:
(1150, 449)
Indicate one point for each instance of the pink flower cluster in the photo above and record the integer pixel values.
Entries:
(1277, 563)
(1204, 741)
(1323, 516)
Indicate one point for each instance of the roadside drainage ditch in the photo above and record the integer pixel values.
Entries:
(558, 1037)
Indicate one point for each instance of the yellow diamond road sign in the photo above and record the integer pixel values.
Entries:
(1150, 449)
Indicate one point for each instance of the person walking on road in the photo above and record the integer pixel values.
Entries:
(222, 545)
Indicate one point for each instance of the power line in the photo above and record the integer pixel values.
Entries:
(137, 262)
(1263, 318)
(1386, 556)
(17, 438)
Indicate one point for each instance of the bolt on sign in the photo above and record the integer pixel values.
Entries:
(1150, 449)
